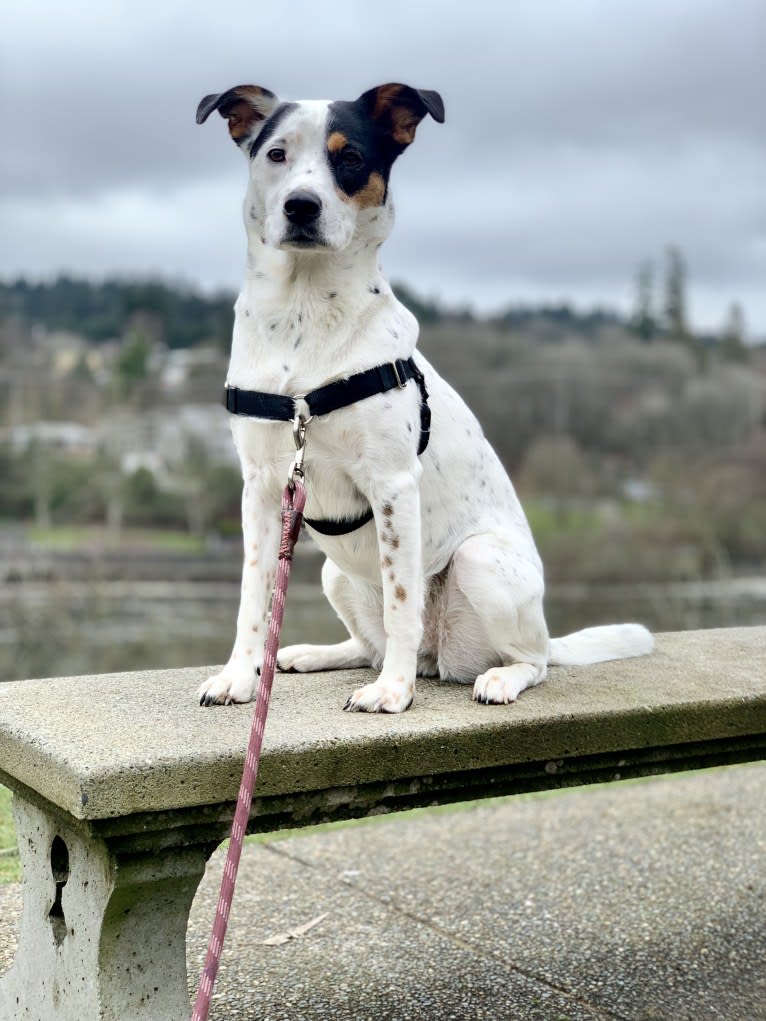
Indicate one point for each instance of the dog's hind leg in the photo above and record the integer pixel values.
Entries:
(361, 610)
(497, 593)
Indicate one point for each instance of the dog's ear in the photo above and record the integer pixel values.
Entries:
(244, 107)
(398, 109)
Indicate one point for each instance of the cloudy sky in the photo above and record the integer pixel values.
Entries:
(582, 137)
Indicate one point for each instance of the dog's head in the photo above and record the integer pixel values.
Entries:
(319, 170)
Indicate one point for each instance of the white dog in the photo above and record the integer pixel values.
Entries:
(431, 564)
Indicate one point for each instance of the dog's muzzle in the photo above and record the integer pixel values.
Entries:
(303, 208)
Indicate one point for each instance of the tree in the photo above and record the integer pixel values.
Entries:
(132, 365)
(644, 322)
(675, 295)
(733, 347)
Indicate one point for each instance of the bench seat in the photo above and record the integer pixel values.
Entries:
(124, 786)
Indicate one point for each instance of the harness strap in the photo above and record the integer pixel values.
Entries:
(326, 526)
(332, 397)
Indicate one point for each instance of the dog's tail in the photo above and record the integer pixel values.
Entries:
(596, 644)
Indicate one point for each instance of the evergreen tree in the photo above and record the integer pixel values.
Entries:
(132, 365)
(675, 295)
(733, 346)
(643, 321)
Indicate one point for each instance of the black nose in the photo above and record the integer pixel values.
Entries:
(302, 208)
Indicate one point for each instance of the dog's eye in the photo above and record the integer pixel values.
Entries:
(276, 155)
(352, 159)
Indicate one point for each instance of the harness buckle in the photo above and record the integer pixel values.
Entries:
(230, 398)
(401, 381)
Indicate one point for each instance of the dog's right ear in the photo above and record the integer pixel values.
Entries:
(245, 107)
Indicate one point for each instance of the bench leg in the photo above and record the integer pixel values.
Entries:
(103, 930)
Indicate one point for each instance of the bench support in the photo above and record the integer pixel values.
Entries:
(103, 929)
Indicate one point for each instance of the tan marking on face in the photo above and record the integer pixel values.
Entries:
(388, 510)
(373, 192)
(386, 562)
(395, 541)
(400, 592)
(336, 141)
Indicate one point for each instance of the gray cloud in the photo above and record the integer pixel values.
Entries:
(580, 139)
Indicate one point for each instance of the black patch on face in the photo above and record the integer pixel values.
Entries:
(368, 150)
(270, 126)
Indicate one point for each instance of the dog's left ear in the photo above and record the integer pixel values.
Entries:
(244, 106)
(398, 109)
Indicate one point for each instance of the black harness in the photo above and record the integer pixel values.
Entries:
(340, 394)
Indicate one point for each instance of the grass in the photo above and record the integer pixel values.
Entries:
(70, 538)
(547, 521)
(10, 870)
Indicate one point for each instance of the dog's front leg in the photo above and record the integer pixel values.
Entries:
(396, 506)
(261, 532)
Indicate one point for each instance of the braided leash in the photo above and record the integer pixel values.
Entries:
(293, 502)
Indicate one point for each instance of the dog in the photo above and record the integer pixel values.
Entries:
(430, 562)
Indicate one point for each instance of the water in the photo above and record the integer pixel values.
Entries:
(61, 627)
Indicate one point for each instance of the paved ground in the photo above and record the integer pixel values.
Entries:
(642, 901)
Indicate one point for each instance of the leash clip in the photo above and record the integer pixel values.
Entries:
(299, 438)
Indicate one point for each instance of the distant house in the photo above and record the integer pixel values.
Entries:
(206, 424)
(143, 460)
(59, 350)
(158, 440)
(65, 437)
(180, 364)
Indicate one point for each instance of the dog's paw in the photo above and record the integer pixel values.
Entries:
(504, 684)
(382, 697)
(233, 684)
(304, 659)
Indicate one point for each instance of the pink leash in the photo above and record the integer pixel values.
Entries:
(293, 502)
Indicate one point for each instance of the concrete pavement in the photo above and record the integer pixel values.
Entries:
(627, 901)
(640, 901)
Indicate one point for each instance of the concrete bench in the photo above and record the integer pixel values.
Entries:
(124, 787)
